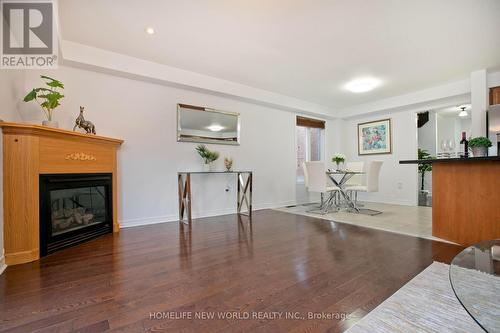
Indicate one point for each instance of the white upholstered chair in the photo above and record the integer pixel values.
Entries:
(315, 173)
(306, 179)
(306, 183)
(356, 180)
(370, 180)
(357, 167)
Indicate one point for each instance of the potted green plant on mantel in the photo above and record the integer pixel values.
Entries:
(208, 157)
(47, 98)
(422, 169)
(479, 146)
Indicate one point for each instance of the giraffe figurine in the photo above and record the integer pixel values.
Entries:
(80, 122)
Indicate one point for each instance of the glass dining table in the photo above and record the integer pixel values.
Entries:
(340, 178)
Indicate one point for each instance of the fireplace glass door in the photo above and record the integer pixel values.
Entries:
(77, 208)
(73, 209)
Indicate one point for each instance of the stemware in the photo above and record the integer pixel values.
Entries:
(444, 145)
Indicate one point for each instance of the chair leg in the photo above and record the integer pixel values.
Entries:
(325, 207)
(356, 200)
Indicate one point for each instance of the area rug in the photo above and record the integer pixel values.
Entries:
(404, 220)
(481, 292)
(425, 304)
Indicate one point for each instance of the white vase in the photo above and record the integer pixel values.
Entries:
(479, 151)
(50, 123)
(207, 167)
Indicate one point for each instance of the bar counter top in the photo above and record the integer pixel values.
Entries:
(465, 194)
(455, 159)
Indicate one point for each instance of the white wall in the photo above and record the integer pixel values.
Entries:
(144, 115)
(465, 126)
(448, 129)
(479, 101)
(398, 183)
(9, 96)
(451, 128)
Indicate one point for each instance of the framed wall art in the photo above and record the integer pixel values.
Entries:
(375, 137)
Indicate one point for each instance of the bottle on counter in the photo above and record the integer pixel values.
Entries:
(464, 146)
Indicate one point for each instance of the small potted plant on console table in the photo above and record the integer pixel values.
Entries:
(208, 157)
(479, 146)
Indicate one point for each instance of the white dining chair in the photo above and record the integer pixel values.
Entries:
(370, 182)
(356, 167)
(306, 184)
(317, 182)
(304, 170)
(355, 180)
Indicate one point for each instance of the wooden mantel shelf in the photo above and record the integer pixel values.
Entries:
(18, 128)
(30, 151)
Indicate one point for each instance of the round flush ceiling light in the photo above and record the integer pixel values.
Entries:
(215, 128)
(150, 31)
(362, 85)
(463, 113)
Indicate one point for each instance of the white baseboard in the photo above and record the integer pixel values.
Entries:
(128, 223)
(3, 266)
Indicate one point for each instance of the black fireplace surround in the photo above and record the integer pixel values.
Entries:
(74, 208)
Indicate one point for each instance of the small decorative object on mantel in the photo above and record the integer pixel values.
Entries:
(479, 146)
(47, 98)
(228, 163)
(208, 157)
(337, 159)
(80, 122)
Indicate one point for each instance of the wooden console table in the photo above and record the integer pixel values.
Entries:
(244, 193)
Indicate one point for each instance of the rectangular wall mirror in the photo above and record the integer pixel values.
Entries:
(205, 125)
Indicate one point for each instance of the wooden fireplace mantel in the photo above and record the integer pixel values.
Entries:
(30, 151)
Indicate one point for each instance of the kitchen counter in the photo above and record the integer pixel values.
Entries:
(465, 198)
(450, 160)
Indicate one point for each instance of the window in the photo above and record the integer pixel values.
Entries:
(310, 138)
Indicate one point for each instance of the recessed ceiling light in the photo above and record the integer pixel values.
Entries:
(215, 128)
(150, 31)
(362, 85)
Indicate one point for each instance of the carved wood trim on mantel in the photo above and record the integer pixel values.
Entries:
(32, 150)
(80, 157)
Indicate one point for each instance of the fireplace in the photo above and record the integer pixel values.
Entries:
(74, 208)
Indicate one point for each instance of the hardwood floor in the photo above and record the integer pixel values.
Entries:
(280, 262)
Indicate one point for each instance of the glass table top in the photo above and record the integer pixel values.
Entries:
(475, 278)
(343, 172)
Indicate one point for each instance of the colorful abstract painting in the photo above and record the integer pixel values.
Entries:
(375, 137)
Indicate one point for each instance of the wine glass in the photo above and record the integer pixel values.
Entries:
(444, 145)
(451, 145)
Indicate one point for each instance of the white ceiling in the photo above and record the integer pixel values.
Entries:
(453, 111)
(304, 49)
